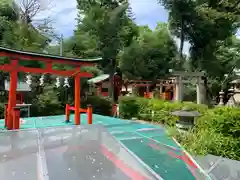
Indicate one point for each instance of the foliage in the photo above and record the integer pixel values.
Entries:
(150, 56)
(107, 29)
(196, 22)
(216, 132)
(207, 141)
(128, 107)
(100, 105)
(17, 34)
(47, 103)
(154, 110)
(2, 110)
(108, 23)
(222, 125)
(225, 121)
(110, 27)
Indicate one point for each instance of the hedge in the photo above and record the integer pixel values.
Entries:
(2, 110)
(100, 105)
(153, 109)
(217, 130)
(49, 106)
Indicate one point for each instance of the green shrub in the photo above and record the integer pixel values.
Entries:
(128, 107)
(217, 132)
(100, 105)
(144, 111)
(201, 108)
(2, 110)
(162, 110)
(143, 108)
(207, 141)
(47, 103)
(222, 120)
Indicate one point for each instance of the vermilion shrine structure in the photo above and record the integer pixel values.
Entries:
(12, 119)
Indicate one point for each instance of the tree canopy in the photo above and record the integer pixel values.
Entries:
(108, 29)
(150, 56)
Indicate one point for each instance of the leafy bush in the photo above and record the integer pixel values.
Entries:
(162, 110)
(154, 109)
(47, 104)
(207, 141)
(144, 110)
(2, 110)
(100, 105)
(223, 120)
(128, 107)
(217, 132)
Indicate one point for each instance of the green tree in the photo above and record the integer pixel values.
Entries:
(8, 17)
(150, 56)
(203, 24)
(108, 23)
(180, 16)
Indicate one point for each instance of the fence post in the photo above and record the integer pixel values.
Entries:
(145, 95)
(89, 114)
(67, 113)
(114, 110)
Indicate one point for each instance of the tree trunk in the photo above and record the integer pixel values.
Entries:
(111, 74)
(182, 39)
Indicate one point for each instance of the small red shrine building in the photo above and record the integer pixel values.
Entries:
(99, 85)
(145, 88)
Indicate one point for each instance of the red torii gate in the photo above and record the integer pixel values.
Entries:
(48, 60)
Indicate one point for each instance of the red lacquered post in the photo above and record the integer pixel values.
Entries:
(67, 113)
(77, 120)
(5, 115)
(12, 94)
(114, 110)
(89, 114)
(16, 117)
(145, 95)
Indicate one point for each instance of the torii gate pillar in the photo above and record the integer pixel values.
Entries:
(12, 94)
(77, 100)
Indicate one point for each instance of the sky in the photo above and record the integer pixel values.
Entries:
(63, 14)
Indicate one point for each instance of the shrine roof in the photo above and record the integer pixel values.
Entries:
(99, 79)
(11, 52)
(236, 81)
(21, 86)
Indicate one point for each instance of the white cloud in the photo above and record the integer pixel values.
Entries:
(148, 12)
(63, 14)
(238, 34)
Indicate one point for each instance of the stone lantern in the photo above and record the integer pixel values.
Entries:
(235, 91)
(186, 118)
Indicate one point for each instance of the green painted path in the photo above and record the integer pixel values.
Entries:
(149, 142)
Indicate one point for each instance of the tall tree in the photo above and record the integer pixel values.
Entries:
(150, 56)
(109, 23)
(180, 15)
(205, 23)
